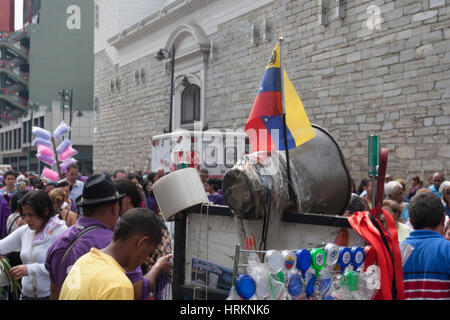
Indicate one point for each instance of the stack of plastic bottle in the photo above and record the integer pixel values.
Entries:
(329, 273)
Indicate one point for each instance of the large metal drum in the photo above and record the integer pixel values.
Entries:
(258, 183)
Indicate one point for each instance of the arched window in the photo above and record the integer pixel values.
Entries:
(190, 104)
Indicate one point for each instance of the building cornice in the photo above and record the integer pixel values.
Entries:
(156, 19)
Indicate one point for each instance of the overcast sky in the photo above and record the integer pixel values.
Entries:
(19, 14)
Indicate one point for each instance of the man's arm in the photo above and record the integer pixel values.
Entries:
(162, 266)
(138, 287)
(142, 285)
(54, 291)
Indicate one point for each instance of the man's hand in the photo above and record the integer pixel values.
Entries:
(163, 264)
(18, 272)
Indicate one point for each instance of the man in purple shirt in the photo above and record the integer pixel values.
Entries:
(101, 204)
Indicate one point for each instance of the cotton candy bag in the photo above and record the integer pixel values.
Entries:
(61, 130)
(41, 133)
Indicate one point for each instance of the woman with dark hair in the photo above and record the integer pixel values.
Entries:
(33, 240)
(15, 220)
(416, 184)
(135, 180)
(363, 186)
(212, 187)
(13, 223)
(150, 199)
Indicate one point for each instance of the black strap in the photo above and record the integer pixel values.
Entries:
(394, 283)
(75, 241)
(265, 230)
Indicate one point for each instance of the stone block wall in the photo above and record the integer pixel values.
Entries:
(383, 69)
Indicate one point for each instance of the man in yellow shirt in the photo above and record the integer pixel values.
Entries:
(100, 274)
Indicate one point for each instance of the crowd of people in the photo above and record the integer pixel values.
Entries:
(47, 226)
(103, 236)
(398, 197)
(421, 214)
(63, 213)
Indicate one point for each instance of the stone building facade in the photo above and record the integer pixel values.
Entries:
(373, 67)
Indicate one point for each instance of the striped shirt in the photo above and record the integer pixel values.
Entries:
(426, 266)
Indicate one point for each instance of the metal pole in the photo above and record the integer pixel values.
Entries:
(71, 112)
(29, 138)
(236, 263)
(288, 164)
(172, 65)
(63, 100)
(374, 159)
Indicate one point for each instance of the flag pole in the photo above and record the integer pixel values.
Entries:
(283, 106)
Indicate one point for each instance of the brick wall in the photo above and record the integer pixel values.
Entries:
(354, 81)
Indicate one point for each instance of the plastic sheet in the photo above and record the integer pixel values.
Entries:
(61, 130)
(63, 146)
(41, 133)
(257, 185)
(259, 272)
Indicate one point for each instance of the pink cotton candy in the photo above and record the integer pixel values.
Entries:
(44, 150)
(50, 174)
(69, 152)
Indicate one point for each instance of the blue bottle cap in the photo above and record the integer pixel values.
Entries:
(345, 258)
(295, 284)
(245, 286)
(357, 257)
(310, 286)
(303, 260)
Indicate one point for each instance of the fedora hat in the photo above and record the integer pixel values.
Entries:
(98, 189)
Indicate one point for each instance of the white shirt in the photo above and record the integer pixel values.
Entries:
(77, 190)
(32, 257)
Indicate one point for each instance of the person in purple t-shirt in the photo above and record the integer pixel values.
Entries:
(5, 211)
(212, 187)
(100, 201)
(150, 197)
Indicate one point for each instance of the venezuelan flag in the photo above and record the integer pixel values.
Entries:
(265, 123)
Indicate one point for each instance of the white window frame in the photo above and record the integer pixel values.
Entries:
(191, 62)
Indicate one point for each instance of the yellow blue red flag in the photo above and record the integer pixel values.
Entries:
(265, 123)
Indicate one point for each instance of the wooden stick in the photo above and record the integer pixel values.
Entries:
(56, 157)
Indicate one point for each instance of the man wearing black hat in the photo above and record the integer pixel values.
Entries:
(94, 229)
